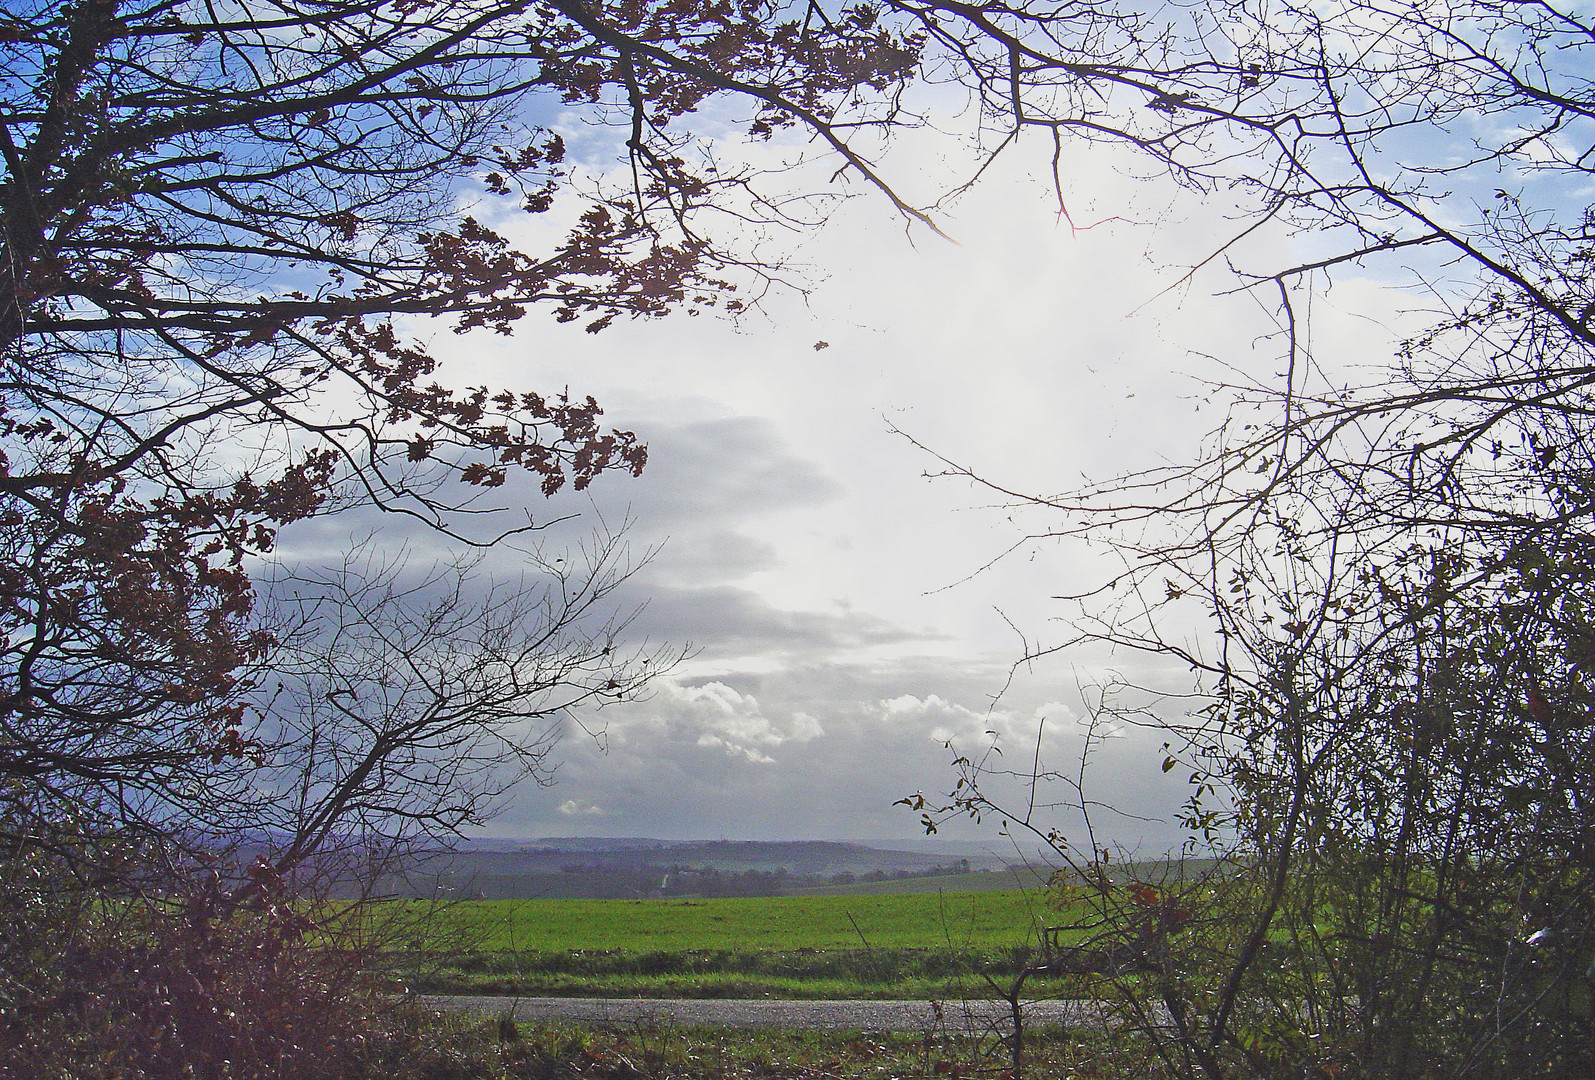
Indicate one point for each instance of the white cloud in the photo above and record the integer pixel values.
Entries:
(713, 715)
(577, 808)
(947, 722)
(736, 750)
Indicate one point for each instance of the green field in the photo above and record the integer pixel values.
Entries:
(907, 945)
(979, 921)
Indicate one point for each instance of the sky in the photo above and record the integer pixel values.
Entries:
(849, 616)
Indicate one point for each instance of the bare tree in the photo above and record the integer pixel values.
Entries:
(401, 706)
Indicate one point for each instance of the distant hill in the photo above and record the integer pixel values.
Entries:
(632, 867)
(605, 867)
(572, 843)
(801, 857)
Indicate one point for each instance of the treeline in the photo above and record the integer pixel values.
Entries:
(961, 867)
(611, 882)
(710, 882)
(682, 880)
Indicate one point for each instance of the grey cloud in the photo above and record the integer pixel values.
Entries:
(710, 468)
(712, 553)
(702, 477)
(732, 620)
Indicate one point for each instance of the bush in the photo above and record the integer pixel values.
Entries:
(153, 993)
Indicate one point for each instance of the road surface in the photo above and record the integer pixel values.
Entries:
(956, 1016)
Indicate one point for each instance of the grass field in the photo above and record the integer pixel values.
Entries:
(980, 921)
(909, 945)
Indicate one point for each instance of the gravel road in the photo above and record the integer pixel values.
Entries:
(862, 1015)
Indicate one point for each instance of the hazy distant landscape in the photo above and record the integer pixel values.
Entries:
(634, 868)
